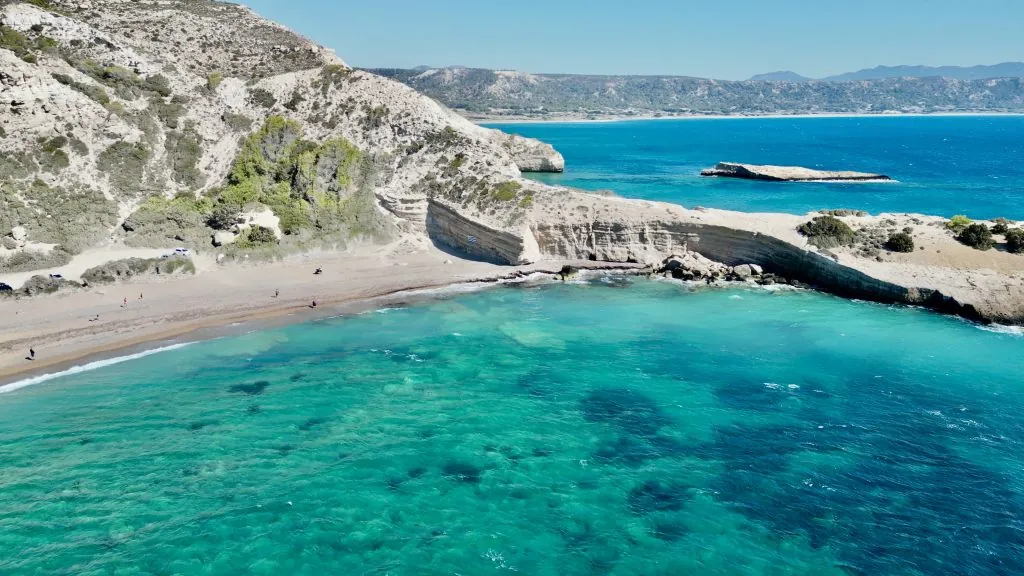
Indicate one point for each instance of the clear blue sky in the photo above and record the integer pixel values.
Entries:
(727, 39)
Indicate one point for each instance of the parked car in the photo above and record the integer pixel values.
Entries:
(57, 276)
(182, 252)
(5, 287)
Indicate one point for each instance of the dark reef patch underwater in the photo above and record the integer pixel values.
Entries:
(564, 429)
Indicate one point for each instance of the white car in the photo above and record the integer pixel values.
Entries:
(180, 252)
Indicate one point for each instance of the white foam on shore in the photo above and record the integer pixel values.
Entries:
(87, 368)
(1001, 329)
(845, 181)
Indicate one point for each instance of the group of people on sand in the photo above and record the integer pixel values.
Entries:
(124, 304)
(319, 270)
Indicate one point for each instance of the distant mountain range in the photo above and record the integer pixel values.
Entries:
(1004, 70)
(780, 76)
(481, 94)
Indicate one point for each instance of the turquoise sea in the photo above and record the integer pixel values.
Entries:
(611, 426)
(944, 165)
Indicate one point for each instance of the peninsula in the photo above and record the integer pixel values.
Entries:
(265, 155)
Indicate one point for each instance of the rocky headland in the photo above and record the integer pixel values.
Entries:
(138, 125)
(787, 173)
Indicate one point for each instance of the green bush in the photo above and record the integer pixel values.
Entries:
(183, 152)
(324, 188)
(374, 117)
(296, 100)
(261, 97)
(223, 217)
(257, 236)
(506, 191)
(213, 81)
(827, 232)
(976, 236)
(95, 93)
(159, 221)
(1015, 240)
(15, 41)
(900, 242)
(331, 75)
(72, 218)
(237, 122)
(1000, 225)
(958, 223)
(124, 163)
(157, 83)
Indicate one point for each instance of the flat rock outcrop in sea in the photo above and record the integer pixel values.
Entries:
(786, 173)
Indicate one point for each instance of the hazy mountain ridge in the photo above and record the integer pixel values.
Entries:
(780, 76)
(980, 72)
(508, 93)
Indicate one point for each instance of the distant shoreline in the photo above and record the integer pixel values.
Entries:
(570, 119)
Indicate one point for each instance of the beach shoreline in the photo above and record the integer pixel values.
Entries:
(58, 326)
(571, 119)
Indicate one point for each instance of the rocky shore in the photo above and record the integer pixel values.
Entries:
(787, 173)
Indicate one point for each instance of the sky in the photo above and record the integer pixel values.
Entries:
(724, 39)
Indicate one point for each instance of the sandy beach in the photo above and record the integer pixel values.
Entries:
(59, 327)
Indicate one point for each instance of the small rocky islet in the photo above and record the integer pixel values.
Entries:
(770, 173)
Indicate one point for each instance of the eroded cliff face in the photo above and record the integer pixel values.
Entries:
(617, 230)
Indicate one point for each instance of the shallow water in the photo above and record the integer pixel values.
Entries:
(609, 427)
(944, 165)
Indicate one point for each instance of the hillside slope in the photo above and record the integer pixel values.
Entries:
(159, 123)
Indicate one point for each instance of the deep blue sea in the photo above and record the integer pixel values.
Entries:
(605, 427)
(971, 165)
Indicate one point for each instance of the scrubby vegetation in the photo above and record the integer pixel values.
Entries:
(93, 92)
(827, 232)
(331, 76)
(125, 269)
(213, 80)
(1000, 225)
(1015, 240)
(52, 157)
(506, 191)
(183, 152)
(317, 188)
(256, 236)
(900, 242)
(237, 122)
(958, 223)
(976, 236)
(73, 219)
(223, 217)
(844, 212)
(159, 222)
(374, 117)
(261, 97)
(124, 163)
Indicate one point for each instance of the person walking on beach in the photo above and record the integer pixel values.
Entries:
(125, 303)
(31, 353)
(276, 292)
(140, 295)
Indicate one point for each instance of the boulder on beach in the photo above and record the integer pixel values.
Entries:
(786, 173)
